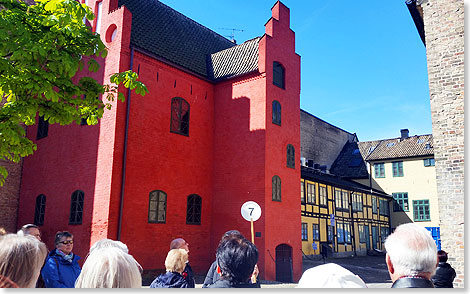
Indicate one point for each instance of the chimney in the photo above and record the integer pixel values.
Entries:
(404, 134)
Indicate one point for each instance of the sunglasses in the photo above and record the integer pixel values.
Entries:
(67, 242)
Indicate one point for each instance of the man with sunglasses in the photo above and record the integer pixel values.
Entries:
(61, 269)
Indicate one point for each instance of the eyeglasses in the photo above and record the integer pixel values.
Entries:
(67, 242)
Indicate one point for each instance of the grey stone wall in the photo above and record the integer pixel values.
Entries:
(444, 28)
(320, 141)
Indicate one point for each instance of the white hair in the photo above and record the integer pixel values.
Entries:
(412, 250)
(110, 267)
(21, 259)
(105, 243)
(330, 275)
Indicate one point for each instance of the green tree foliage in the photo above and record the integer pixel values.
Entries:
(42, 48)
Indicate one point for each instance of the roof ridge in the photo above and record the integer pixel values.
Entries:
(238, 45)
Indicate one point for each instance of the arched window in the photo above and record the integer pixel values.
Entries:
(290, 156)
(157, 207)
(193, 211)
(276, 188)
(276, 112)
(179, 116)
(278, 75)
(76, 208)
(40, 210)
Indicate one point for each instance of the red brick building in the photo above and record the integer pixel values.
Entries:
(219, 127)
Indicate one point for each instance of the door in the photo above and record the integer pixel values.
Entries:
(367, 235)
(375, 237)
(284, 263)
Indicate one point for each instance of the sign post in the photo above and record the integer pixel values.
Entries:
(251, 212)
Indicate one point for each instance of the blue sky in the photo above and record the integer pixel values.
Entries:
(363, 65)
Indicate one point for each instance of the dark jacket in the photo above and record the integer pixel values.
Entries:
(223, 283)
(189, 276)
(58, 272)
(169, 280)
(444, 276)
(410, 282)
(212, 276)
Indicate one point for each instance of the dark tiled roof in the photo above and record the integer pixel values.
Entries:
(234, 61)
(166, 33)
(345, 164)
(334, 180)
(396, 148)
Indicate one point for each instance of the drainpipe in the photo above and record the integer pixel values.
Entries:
(124, 156)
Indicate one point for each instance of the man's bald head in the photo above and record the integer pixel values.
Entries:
(179, 243)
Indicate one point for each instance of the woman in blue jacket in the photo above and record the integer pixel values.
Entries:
(61, 269)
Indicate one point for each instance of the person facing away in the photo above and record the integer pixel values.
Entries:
(32, 230)
(110, 267)
(212, 275)
(330, 275)
(180, 243)
(61, 269)
(445, 274)
(411, 257)
(106, 243)
(175, 264)
(21, 258)
(236, 260)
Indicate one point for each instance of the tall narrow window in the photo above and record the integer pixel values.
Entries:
(290, 156)
(383, 207)
(340, 232)
(374, 204)
(379, 169)
(99, 14)
(43, 128)
(338, 201)
(157, 207)
(276, 181)
(276, 112)
(315, 232)
(304, 232)
(331, 233)
(345, 200)
(311, 197)
(40, 210)
(193, 211)
(278, 75)
(76, 208)
(323, 196)
(302, 192)
(397, 168)
(179, 116)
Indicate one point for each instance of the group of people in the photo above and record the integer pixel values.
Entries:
(411, 260)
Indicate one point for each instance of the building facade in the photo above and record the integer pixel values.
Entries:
(219, 127)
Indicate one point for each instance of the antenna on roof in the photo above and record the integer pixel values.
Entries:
(232, 35)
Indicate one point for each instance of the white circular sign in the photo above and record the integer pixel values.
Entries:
(251, 211)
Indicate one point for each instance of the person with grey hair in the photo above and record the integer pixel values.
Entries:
(411, 257)
(110, 267)
(180, 243)
(21, 258)
(30, 229)
(106, 243)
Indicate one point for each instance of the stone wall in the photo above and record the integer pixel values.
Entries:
(444, 28)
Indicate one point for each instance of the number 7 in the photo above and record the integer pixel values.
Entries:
(251, 212)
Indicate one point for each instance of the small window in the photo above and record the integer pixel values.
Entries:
(43, 128)
(338, 201)
(278, 75)
(193, 211)
(157, 207)
(397, 168)
(429, 162)
(374, 204)
(276, 181)
(371, 149)
(421, 210)
(400, 202)
(391, 144)
(40, 210)
(276, 112)
(311, 193)
(384, 232)
(315, 232)
(427, 146)
(304, 232)
(331, 233)
(179, 116)
(76, 208)
(302, 192)
(340, 232)
(290, 156)
(379, 170)
(420, 141)
(323, 196)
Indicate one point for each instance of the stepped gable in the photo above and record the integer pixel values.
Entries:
(164, 32)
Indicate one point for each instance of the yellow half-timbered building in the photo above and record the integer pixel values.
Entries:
(340, 217)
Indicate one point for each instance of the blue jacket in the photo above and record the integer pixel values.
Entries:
(58, 272)
(169, 280)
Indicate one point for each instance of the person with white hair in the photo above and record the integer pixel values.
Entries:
(411, 257)
(110, 267)
(106, 243)
(330, 275)
(21, 259)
